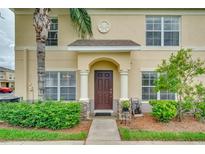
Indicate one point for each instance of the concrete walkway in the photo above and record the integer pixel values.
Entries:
(103, 131)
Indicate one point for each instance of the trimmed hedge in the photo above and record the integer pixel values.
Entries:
(164, 110)
(54, 115)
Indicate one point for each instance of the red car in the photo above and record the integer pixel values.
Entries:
(5, 90)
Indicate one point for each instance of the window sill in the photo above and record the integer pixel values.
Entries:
(145, 102)
(148, 48)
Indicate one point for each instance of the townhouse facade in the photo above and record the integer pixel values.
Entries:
(7, 77)
(117, 63)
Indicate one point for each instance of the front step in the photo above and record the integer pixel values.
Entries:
(102, 114)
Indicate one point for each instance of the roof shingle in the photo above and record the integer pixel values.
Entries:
(104, 43)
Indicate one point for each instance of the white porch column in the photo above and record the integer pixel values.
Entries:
(84, 93)
(124, 85)
(84, 85)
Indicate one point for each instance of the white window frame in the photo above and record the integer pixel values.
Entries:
(53, 86)
(162, 30)
(146, 86)
(59, 86)
(54, 31)
(158, 93)
(10, 76)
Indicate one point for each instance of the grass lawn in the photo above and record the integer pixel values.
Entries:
(140, 135)
(7, 134)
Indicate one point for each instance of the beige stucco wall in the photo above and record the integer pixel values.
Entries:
(122, 59)
(148, 61)
(26, 69)
(123, 26)
(193, 31)
(24, 31)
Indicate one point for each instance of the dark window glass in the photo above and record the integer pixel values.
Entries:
(148, 91)
(148, 88)
(162, 30)
(60, 85)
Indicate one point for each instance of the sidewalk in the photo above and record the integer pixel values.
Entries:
(103, 131)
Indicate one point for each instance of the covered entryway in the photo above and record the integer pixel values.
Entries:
(104, 85)
(103, 89)
(103, 72)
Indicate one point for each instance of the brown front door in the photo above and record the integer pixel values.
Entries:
(103, 89)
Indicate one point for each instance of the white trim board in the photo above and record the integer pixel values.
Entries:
(137, 48)
(127, 12)
(103, 48)
(61, 69)
(147, 69)
(48, 48)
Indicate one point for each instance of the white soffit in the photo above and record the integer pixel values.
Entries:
(103, 48)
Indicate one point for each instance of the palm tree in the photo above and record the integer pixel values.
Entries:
(82, 22)
(41, 22)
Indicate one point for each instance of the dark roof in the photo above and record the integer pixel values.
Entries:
(3, 69)
(104, 43)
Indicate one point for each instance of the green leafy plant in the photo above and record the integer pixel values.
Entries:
(125, 105)
(164, 110)
(199, 93)
(53, 115)
(177, 75)
(82, 22)
(200, 111)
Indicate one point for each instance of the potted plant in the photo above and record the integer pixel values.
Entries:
(125, 105)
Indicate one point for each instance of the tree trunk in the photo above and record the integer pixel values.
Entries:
(180, 109)
(41, 69)
(41, 22)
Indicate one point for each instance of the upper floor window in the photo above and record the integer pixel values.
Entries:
(1, 75)
(53, 33)
(162, 30)
(148, 88)
(10, 76)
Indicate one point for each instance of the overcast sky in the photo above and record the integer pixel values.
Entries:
(7, 38)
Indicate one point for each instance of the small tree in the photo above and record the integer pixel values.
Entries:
(177, 75)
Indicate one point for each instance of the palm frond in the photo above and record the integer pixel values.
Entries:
(82, 22)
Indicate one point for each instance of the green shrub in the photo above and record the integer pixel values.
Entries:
(164, 110)
(125, 104)
(200, 111)
(54, 115)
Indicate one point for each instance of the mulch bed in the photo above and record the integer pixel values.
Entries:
(83, 126)
(147, 122)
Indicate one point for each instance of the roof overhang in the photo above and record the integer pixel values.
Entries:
(103, 45)
(103, 48)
